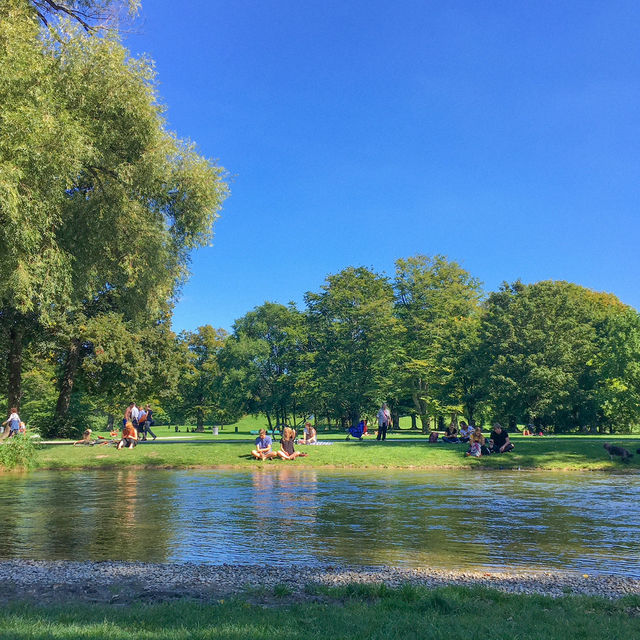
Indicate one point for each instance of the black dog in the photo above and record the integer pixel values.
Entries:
(618, 451)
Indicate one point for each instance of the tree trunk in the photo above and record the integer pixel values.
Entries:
(425, 422)
(200, 418)
(14, 366)
(395, 419)
(67, 379)
(269, 420)
(110, 420)
(414, 422)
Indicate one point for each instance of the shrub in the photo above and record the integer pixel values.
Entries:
(18, 452)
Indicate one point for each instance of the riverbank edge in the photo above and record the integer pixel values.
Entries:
(276, 466)
(50, 582)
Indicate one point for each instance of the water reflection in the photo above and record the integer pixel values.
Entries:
(582, 522)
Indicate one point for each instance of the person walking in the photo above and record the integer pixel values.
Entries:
(384, 420)
(148, 422)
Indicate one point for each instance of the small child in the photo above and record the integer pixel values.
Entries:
(14, 422)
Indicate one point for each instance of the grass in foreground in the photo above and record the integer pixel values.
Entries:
(355, 611)
(552, 452)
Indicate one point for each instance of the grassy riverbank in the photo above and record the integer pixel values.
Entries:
(398, 452)
(355, 611)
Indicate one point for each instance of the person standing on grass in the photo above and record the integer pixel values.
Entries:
(499, 440)
(127, 415)
(263, 447)
(148, 423)
(13, 421)
(384, 420)
(135, 414)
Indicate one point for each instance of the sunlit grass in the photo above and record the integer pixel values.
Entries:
(551, 452)
(355, 611)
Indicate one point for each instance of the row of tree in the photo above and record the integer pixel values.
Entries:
(430, 344)
(427, 341)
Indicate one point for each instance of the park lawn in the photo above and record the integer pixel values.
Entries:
(551, 452)
(354, 611)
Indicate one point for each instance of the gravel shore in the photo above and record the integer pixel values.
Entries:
(121, 582)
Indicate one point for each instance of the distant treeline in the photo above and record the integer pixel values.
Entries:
(428, 341)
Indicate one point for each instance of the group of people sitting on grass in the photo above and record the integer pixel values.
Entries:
(129, 438)
(263, 444)
(499, 441)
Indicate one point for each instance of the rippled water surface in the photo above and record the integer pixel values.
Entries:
(450, 519)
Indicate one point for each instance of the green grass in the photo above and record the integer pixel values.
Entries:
(551, 452)
(370, 612)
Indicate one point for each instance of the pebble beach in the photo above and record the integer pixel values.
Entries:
(120, 582)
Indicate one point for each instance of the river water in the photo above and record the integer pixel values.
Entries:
(586, 522)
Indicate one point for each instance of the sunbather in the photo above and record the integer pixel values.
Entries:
(86, 439)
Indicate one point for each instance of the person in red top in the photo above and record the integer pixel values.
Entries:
(129, 437)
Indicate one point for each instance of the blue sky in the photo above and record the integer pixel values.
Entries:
(504, 135)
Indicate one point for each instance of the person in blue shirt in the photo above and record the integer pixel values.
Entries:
(263, 447)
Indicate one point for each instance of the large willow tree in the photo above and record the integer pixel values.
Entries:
(100, 204)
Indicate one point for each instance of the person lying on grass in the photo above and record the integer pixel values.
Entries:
(499, 440)
(263, 447)
(86, 439)
(287, 451)
(309, 435)
(129, 437)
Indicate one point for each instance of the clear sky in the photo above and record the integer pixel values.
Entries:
(502, 134)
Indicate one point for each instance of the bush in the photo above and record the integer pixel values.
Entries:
(18, 452)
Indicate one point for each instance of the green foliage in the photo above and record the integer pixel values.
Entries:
(436, 301)
(18, 452)
(263, 359)
(355, 339)
(560, 354)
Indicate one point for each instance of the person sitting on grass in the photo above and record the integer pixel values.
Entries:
(263, 447)
(309, 435)
(465, 431)
(476, 444)
(287, 452)
(129, 436)
(499, 440)
(451, 434)
(86, 439)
